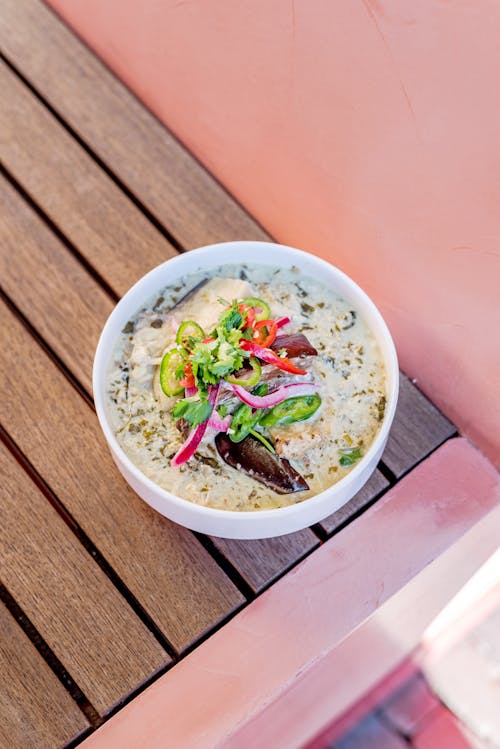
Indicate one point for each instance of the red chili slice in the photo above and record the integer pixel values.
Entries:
(265, 332)
(270, 357)
(188, 380)
(250, 315)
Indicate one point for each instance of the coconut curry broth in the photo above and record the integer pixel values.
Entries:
(348, 370)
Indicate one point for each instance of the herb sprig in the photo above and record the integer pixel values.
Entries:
(211, 359)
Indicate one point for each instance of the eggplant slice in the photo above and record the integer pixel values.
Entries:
(251, 457)
(295, 344)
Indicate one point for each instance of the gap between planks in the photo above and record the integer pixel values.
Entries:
(95, 157)
(391, 477)
(324, 535)
(47, 653)
(51, 659)
(42, 22)
(88, 545)
(38, 210)
(69, 684)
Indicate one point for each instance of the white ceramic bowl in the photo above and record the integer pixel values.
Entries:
(259, 523)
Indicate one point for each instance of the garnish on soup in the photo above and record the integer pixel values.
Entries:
(247, 388)
(230, 356)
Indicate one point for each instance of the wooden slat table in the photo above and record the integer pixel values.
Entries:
(101, 594)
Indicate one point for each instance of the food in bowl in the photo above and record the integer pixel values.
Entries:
(246, 387)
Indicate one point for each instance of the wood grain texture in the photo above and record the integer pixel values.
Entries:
(169, 572)
(35, 710)
(85, 204)
(262, 561)
(49, 285)
(90, 627)
(417, 430)
(126, 136)
(375, 484)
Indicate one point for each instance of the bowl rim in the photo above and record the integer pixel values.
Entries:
(101, 358)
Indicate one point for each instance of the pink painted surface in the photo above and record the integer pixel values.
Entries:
(444, 731)
(210, 697)
(393, 632)
(366, 705)
(372, 733)
(413, 704)
(365, 131)
(430, 726)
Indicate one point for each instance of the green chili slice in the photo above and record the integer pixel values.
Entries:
(169, 364)
(291, 410)
(242, 423)
(349, 456)
(248, 378)
(189, 329)
(258, 304)
(261, 389)
(245, 418)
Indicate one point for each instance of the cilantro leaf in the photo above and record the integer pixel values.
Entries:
(194, 411)
(231, 317)
(228, 358)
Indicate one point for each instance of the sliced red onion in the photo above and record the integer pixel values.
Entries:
(277, 396)
(195, 436)
(283, 321)
(189, 392)
(218, 423)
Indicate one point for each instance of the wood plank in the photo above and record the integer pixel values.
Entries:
(262, 561)
(77, 195)
(375, 484)
(126, 136)
(79, 613)
(417, 430)
(35, 710)
(49, 285)
(169, 572)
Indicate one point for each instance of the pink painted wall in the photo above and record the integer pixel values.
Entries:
(366, 131)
